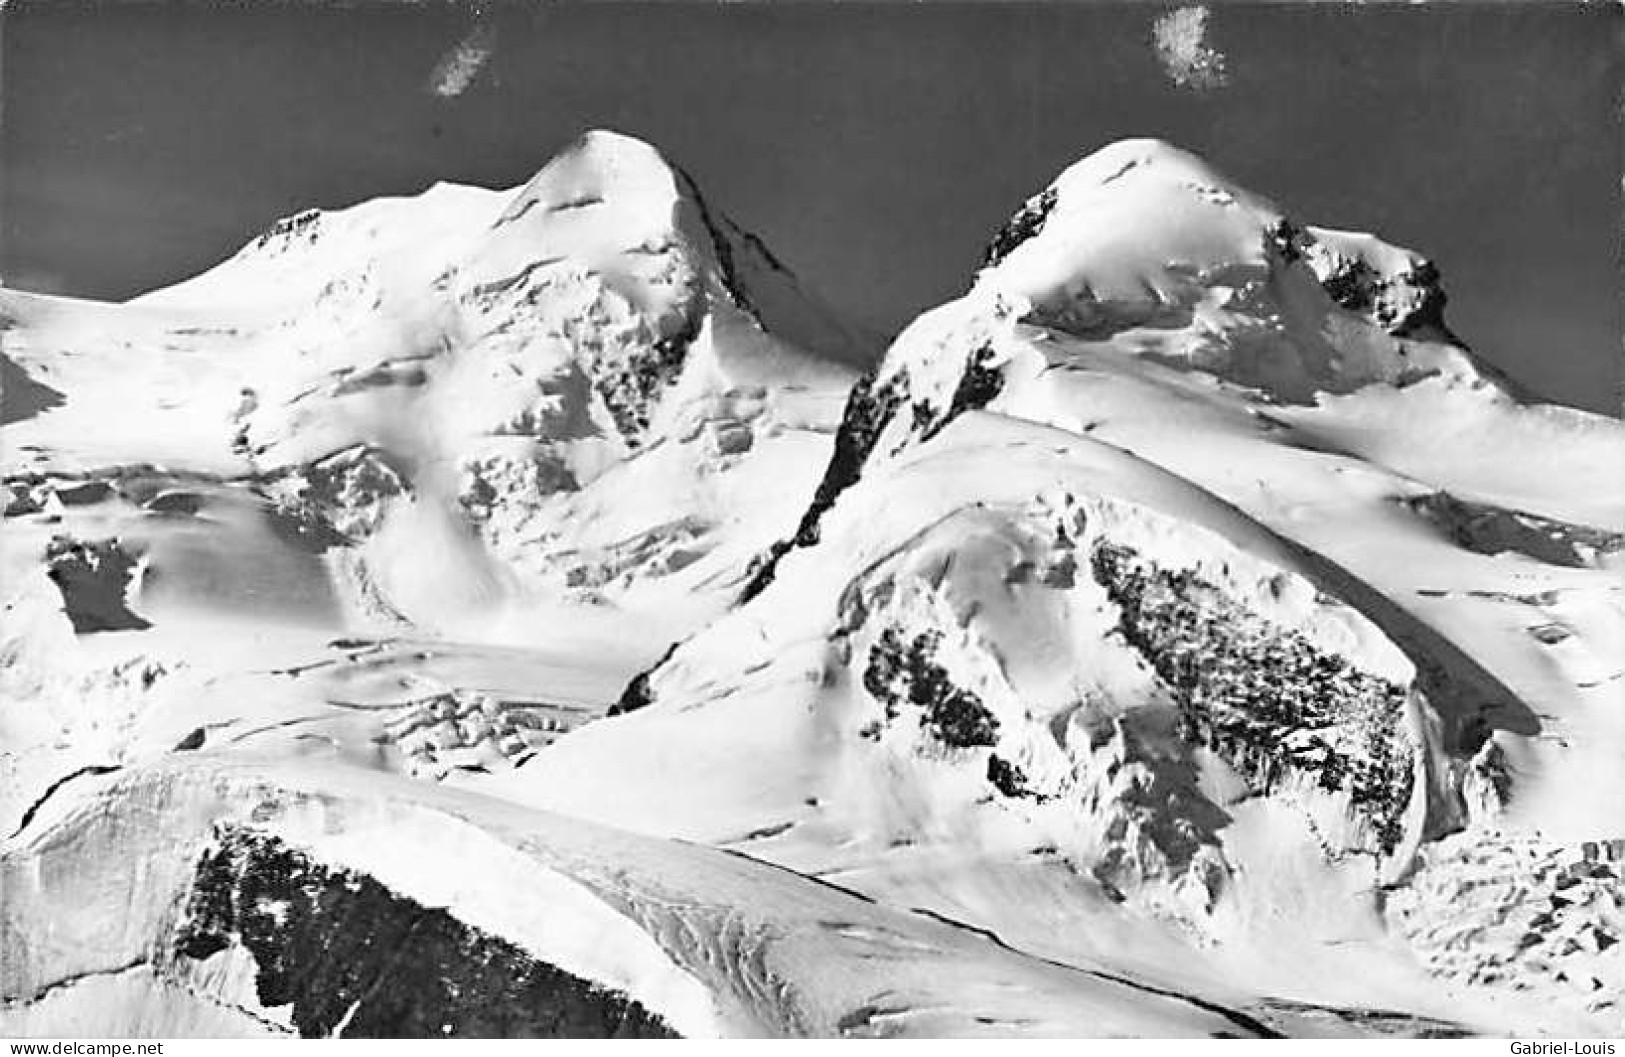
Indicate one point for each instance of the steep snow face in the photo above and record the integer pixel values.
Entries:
(1143, 240)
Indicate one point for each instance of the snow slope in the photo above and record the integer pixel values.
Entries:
(1180, 633)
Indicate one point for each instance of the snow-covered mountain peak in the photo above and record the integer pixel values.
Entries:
(597, 166)
(1148, 246)
(606, 194)
(635, 190)
(587, 375)
(1131, 219)
(612, 206)
(1142, 251)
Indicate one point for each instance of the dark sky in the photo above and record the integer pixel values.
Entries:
(874, 146)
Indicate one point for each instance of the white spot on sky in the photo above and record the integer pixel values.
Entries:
(457, 68)
(1187, 56)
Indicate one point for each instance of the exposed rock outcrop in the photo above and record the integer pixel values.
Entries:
(352, 958)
